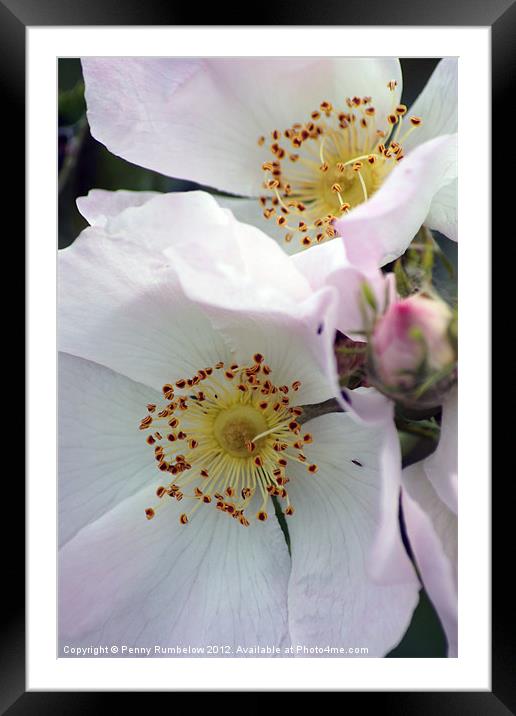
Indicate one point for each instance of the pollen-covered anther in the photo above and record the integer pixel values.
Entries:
(341, 159)
(236, 435)
(168, 391)
(145, 422)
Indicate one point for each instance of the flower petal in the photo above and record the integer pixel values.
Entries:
(443, 211)
(333, 600)
(436, 105)
(248, 268)
(297, 348)
(250, 211)
(200, 119)
(171, 218)
(262, 303)
(329, 265)
(127, 580)
(441, 467)
(432, 532)
(150, 312)
(122, 306)
(208, 245)
(102, 456)
(100, 205)
(387, 223)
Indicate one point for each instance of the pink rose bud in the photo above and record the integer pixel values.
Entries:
(413, 346)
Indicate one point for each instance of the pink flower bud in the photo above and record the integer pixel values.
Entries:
(412, 342)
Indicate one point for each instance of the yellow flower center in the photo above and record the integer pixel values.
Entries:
(225, 436)
(236, 427)
(322, 169)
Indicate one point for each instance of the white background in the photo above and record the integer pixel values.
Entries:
(472, 669)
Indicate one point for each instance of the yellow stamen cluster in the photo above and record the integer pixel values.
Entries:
(325, 167)
(225, 436)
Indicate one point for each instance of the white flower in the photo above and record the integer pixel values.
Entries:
(153, 300)
(319, 140)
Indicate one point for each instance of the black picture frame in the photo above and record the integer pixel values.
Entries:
(15, 17)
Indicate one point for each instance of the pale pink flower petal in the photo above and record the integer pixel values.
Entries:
(101, 458)
(127, 290)
(329, 265)
(442, 215)
(124, 580)
(100, 205)
(392, 217)
(436, 105)
(334, 598)
(250, 211)
(432, 532)
(121, 306)
(200, 119)
(441, 467)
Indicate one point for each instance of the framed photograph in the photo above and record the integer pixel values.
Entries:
(250, 399)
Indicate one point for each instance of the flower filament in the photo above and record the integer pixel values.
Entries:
(226, 436)
(331, 164)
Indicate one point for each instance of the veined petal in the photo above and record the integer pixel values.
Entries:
(102, 458)
(441, 467)
(333, 600)
(123, 307)
(177, 284)
(298, 348)
(437, 104)
(374, 410)
(200, 119)
(432, 533)
(391, 218)
(100, 205)
(263, 304)
(126, 580)
(443, 211)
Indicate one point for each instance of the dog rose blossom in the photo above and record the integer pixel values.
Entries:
(324, 147)
(191, 346)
